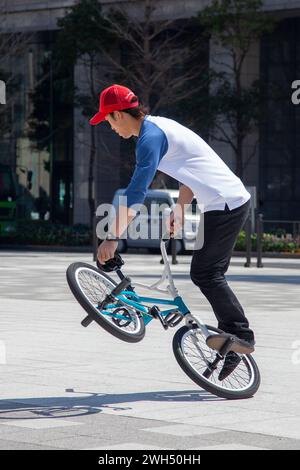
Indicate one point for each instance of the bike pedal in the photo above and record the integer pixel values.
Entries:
(173, 319)
(155, 312)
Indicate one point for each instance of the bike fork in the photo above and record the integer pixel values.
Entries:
(211, 367)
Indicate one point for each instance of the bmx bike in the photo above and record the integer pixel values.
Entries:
(199, 349)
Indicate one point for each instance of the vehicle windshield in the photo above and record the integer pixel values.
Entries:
(7, 185)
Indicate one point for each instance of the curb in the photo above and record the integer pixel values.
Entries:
(268, 254)
(46, 248)
(89, 249)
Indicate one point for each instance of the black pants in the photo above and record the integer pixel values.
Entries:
(210, 263)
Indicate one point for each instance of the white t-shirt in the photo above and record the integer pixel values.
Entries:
(165, 145)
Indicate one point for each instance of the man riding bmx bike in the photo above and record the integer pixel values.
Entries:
(164, 144)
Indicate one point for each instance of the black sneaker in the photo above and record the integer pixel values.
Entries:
(231, 361)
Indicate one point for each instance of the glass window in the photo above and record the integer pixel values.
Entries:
(279, 139)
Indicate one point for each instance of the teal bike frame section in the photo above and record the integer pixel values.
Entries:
(129, 298)
(135, 301)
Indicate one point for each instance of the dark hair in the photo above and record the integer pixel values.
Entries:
(137, 112)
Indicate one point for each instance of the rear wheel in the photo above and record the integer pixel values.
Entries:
(194, 357)
(90, 286)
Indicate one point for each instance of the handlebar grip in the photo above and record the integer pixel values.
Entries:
(122, 286)
(87, 321)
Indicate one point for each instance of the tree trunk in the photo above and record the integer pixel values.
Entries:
(239, 135)
(91, 198)
(91, 188)
(239, 157)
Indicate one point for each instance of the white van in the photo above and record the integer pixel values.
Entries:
(153, 220)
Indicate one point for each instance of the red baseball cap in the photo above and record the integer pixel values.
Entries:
(114, 98)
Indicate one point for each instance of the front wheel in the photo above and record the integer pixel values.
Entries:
(195, 357)
(90, 286)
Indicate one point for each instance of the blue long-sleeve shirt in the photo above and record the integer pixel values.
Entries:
(151, 146)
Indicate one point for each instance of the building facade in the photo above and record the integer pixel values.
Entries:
(61, 168)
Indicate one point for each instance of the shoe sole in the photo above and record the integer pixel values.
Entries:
(238, 346)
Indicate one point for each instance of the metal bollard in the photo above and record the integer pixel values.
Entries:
(248, 241)
(95, 238)
(259, 229)
(173, 251)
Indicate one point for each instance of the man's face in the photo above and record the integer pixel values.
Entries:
(120, 124)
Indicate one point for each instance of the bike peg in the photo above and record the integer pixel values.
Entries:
(87, 321)
(224, 342)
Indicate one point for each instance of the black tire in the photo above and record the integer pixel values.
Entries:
(107, 284)
(219, 389)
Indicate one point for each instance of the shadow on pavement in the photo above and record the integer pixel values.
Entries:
(91, 403)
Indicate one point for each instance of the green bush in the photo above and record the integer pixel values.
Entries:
(42, 232)
(276, 242)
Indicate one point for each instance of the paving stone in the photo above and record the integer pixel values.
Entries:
(63, 386)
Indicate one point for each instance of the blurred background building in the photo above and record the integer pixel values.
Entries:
(51, 160)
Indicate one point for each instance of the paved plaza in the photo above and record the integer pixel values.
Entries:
(66, 387)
